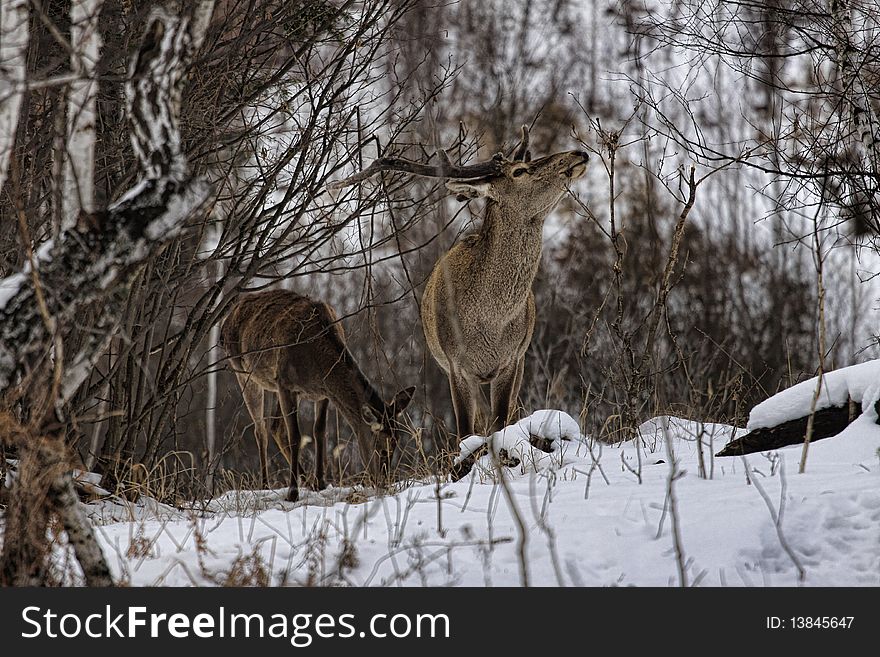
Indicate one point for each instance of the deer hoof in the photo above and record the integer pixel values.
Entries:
(462, 469)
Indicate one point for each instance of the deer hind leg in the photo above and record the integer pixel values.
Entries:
(253, 401)
(276, 427)
(320, 436)
(504, 394)
(287, 400)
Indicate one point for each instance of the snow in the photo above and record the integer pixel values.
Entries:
(131, 194)
(179, 207)
(553, 427)
(589, 520)
(90, 483)
(837, 388)
(10, 286)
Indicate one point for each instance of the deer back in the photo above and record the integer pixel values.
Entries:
(279, 337)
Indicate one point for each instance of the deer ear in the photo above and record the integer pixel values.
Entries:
(466, 191)
(401, 401)
(370, 418)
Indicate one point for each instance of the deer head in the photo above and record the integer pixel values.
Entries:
(534, 186)
(384, 425)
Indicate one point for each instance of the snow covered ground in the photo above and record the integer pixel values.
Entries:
(594, 515)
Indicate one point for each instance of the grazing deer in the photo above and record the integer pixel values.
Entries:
(284, 343)
(478, 309)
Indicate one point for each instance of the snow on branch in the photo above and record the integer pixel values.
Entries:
(101, 251)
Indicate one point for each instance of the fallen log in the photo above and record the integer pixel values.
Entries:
(826, 423)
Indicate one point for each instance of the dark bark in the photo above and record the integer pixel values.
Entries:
(23, 561)
(827, 423)
(43, 486)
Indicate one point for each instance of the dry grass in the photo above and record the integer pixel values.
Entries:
(31, 534)
(247, 570)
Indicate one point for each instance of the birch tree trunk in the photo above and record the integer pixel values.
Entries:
(91, 257)
(14, 34)
(78, 192)
(215, 354)
(211, 409)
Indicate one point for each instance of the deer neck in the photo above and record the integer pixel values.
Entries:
(350, 394)
(512, 235)
(510, 251)
(349, 397)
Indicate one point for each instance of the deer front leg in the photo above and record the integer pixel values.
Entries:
(504, 394)
(253, 401)
(287, 400)
(464, 405)
(320, 435)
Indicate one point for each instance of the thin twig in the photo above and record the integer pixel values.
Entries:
(674, 473)
(777, 517)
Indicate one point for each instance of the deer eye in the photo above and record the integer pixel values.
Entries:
(519, 172)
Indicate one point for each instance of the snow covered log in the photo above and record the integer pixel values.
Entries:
(826, 423)
(88, 264)
(782, 419)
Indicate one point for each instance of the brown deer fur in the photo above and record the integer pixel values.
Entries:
(285, 343)
(478, 310)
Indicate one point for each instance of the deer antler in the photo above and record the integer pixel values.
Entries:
(443, 169)
(521, 152)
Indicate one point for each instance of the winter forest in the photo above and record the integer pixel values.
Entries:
(405, 292)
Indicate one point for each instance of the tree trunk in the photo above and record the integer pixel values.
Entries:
(97, 254)
(14, 33)
(79, 163)
(862, 196)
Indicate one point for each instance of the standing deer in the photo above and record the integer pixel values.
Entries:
(478, 309)
(284, 343)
